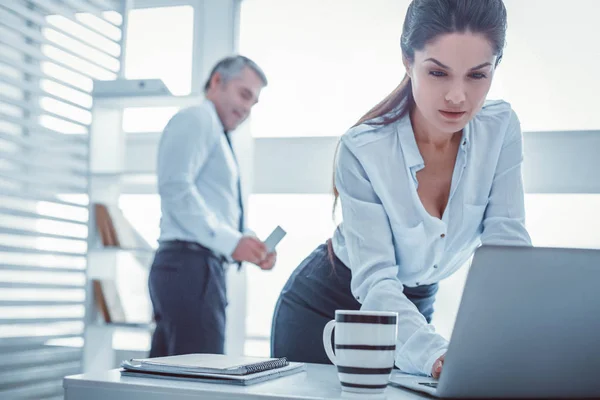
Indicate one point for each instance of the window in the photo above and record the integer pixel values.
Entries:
(553, 220)
(74, 66)
(143, 211)
(325, 77)
(159, 45)
(50, 55)
(564, 220)
(147, 119)
(307, 220)
(552, 92)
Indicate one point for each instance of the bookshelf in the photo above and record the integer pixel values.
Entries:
(111, 237)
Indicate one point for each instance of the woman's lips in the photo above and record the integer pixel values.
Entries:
(453, 115)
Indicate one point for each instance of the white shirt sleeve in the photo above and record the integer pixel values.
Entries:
(374, 267)
(504, 218)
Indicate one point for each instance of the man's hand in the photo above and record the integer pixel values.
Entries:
(269, 262)
(250, 249)
(436, 370)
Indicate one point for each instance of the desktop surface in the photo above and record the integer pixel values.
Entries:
(316, 383)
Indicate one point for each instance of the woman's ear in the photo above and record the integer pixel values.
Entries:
(407, 66)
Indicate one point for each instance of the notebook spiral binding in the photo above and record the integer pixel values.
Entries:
(265, 366)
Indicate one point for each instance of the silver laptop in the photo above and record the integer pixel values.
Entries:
(528, 326)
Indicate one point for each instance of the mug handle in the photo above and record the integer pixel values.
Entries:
(327, 331)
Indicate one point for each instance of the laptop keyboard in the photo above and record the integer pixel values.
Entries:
(429, 384)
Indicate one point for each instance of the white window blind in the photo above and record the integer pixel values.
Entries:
(50, 53)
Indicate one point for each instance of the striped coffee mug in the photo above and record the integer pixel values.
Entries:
(365, 344)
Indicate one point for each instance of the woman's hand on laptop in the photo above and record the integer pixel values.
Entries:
(436, 370)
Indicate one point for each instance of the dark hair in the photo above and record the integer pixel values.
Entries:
(231, 67)
(425, 21)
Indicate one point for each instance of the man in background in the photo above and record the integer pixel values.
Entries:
(202, 222)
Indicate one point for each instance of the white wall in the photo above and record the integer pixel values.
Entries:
(549, 69)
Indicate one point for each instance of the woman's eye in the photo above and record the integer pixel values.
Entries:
(478, 75)
(437, 73)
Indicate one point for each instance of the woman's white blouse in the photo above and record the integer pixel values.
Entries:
(389, 240)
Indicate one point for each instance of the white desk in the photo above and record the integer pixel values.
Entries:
(316, 383)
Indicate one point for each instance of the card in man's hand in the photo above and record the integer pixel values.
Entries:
(274, 238)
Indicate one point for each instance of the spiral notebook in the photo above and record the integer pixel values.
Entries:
(131, 369)
(208, 364)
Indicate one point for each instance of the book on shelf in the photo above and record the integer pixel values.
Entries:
(108, 301)
(115, 230)
(125, 306)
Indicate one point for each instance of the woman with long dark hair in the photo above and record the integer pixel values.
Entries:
(424, 178)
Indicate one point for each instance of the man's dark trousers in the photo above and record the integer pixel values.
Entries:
(188, 293)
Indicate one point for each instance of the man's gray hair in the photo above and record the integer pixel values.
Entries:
(231, 67)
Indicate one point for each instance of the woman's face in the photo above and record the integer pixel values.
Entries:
(450, 78)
